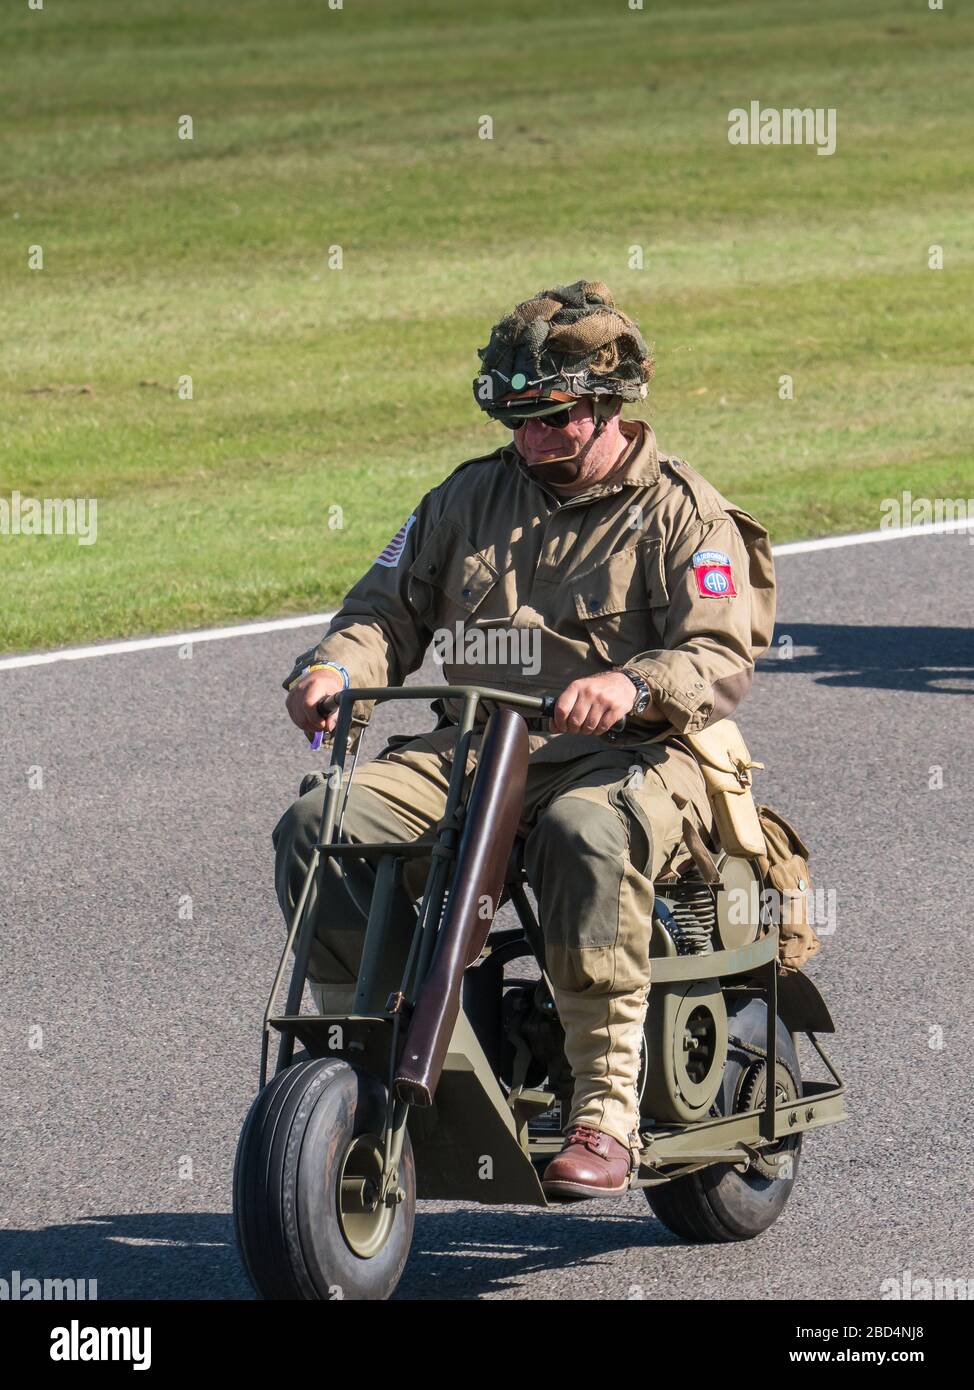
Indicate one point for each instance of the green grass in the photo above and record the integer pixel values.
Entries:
(315, 387)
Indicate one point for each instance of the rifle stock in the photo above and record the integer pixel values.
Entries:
(490, 825)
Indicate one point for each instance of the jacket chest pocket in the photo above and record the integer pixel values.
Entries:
(449, 579)
(621, 603)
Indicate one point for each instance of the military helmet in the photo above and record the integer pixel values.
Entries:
(564, 343)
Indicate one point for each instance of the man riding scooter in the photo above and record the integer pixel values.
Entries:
(616, 576)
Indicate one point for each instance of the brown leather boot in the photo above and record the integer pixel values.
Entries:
(591, 1164)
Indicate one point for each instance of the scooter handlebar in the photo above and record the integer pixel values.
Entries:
(328, 704)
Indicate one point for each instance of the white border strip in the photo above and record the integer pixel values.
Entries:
(217, 634)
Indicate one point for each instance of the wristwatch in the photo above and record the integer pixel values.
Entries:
(643, 692)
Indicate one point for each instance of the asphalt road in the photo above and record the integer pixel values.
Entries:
(162, 775)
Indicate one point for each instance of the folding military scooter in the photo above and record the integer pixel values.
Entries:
(439, 1073)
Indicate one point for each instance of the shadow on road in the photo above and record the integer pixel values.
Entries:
(939, 660)
(455, 1255)
(145, 1255)
(489, 1250)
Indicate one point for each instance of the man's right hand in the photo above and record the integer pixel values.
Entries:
(302, 700)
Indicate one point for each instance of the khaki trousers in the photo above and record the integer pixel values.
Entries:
(600, 824)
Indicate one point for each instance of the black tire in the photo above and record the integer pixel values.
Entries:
(295, 1239)
(719, 1203)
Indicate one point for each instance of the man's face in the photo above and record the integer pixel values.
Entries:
(538, 442)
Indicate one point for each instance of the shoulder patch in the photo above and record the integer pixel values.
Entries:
(714, 575)
(711, 557)
(391, 554)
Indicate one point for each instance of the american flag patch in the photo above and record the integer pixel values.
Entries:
(392, 553)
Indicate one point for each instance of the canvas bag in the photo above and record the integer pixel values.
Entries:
(784, 867)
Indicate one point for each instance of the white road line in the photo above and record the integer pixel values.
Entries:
(179, 639)
(217, 634)
(891, 533)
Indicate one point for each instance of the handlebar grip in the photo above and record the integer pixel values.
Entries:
(548, 709)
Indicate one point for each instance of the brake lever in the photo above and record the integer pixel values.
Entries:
(325, 706)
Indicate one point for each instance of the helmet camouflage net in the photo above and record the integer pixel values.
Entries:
(567, 342)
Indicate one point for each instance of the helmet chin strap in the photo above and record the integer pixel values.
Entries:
(582, 454)
(552, 468)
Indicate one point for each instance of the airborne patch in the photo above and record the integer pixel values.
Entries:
(392, 554)
(712, 569)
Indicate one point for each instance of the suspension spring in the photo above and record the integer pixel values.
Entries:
(693, 916)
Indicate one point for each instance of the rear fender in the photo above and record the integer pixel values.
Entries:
(800, 1006)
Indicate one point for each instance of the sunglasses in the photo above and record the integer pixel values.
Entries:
(557, 421)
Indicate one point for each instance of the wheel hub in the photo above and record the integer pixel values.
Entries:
(751, 1095)
(365, 1219)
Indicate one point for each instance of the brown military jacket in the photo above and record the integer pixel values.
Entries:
(518, 588)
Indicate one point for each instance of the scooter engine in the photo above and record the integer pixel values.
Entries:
(536, 1040)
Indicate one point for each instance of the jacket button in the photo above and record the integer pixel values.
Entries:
(593, 603)
(431, 569)
(466, 593)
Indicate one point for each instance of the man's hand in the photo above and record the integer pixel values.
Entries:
(303, 697)
(593, 704)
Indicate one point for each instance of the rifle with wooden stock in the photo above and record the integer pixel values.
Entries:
(489, 828)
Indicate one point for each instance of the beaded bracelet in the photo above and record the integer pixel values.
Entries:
(322, 666)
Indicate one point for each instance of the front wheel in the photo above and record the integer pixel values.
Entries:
(719, 1203)
(308, 1217)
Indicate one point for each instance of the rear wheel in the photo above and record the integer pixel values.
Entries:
(719, 1203)
(309, 1220)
